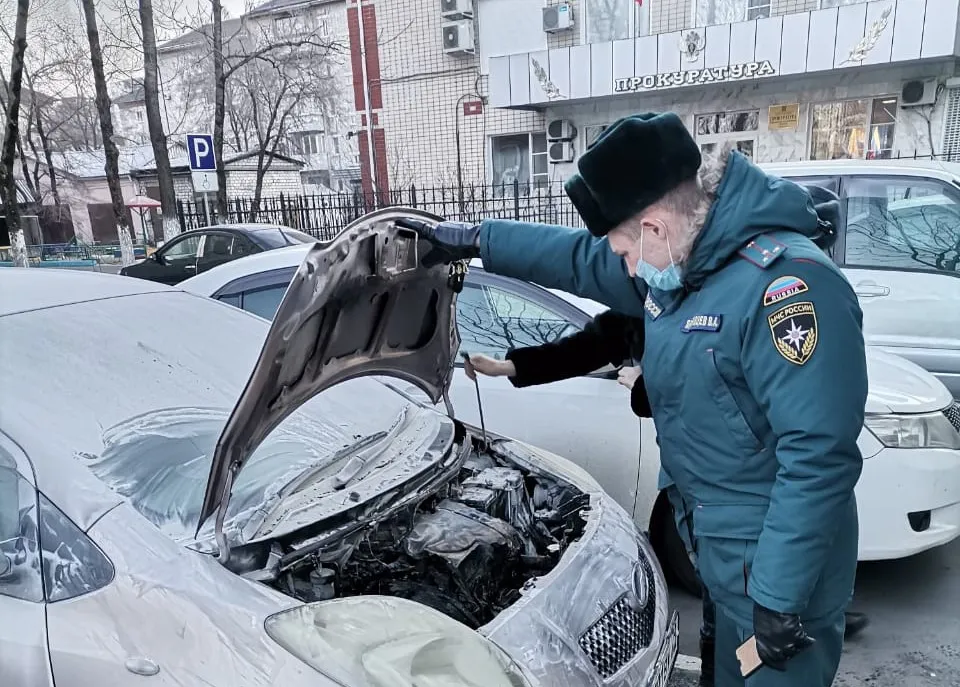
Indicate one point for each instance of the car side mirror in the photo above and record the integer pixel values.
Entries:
(157, 258)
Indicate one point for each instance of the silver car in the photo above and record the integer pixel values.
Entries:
(165, 512)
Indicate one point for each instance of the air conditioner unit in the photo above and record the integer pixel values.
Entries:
(458, 37)
(557, 18)
(456, 9)
(561, 130)
(916, 93)
(561, 151)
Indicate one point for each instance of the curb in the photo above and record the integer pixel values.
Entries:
(687, 664)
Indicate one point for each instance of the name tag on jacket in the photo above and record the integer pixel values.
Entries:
(703, 323)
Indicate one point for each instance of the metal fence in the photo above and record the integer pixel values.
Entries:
(325, 215)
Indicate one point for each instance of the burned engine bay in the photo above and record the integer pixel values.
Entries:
(466, 549)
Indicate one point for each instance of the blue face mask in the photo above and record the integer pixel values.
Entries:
(667, 279)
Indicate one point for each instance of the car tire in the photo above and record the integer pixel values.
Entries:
(670, 549)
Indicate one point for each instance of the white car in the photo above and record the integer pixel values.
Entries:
(908, 494)
(899, 245)
(190, 495)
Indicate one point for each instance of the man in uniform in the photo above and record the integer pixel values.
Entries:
(754, 366)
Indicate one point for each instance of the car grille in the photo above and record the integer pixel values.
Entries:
(622, 631)
(953, 414)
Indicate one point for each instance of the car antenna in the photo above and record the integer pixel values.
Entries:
(476, 384)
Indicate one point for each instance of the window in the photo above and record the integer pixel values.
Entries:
(824, 4)
(710, 12)
(758, 9)
(905, 223)
(264, 302)
(612, 20)
(183, 250)
(521, 158)
(727, 122)
(308, 142)
(492, 321)
(285, 27)
(591, 133)
(217, 246)
(243, 246)
(231, 299)
(744, 146)
(719, 127)
(853, 129)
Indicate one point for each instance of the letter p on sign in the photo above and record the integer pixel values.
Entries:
(200, 148)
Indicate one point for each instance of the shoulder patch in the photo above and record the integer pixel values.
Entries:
(762, 251)
(782, 288)
(652, 307)
(794, 331)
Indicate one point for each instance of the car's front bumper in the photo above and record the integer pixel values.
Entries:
(896, 483)
(589, 622)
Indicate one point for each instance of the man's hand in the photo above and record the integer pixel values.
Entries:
(449, 241)
(488, 366)
(779, 636)
(628, 376)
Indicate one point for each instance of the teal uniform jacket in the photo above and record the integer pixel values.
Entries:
(757, 376)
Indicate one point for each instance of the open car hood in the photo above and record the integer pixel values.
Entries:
(360, 304)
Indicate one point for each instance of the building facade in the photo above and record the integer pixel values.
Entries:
(513, 89)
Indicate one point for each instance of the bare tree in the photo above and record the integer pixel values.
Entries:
(249, 54)
(111, 154)
(271, 95)
(11, 136)
(219, 89)
(158, 139)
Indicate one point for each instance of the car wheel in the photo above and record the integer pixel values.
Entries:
(670, 550)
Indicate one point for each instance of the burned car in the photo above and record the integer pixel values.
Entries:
(321, 520)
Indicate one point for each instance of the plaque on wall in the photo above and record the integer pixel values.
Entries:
(783, 117)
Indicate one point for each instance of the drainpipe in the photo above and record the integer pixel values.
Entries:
(366, 98)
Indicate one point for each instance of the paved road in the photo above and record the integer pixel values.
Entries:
(914, 636)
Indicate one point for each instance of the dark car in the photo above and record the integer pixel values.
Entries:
(196, 251)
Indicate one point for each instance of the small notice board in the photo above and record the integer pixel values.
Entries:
(780, 117)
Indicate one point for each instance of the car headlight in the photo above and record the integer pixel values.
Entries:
(391, 642)
(930, 430)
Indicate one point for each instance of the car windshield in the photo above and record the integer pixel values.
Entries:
(142, 404)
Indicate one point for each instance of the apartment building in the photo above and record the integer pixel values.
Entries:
(516, 89)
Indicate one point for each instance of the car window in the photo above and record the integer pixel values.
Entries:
(492, 321)
(902, 222)
(243, 246)
(829, 183)
(72, 564)
(218, 246)
(264, 302)
(20, 575)
(182, 250)
(231, 299)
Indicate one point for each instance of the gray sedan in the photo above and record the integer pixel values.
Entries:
(166, 512)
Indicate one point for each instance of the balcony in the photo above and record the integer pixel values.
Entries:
(815, 42)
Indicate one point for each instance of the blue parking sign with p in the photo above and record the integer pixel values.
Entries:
(200, 149)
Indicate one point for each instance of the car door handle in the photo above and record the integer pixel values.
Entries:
(869, 289)
(189, 267)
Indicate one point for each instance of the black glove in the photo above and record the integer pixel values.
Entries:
(827, 205)
(449, 241)
(779, 636)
